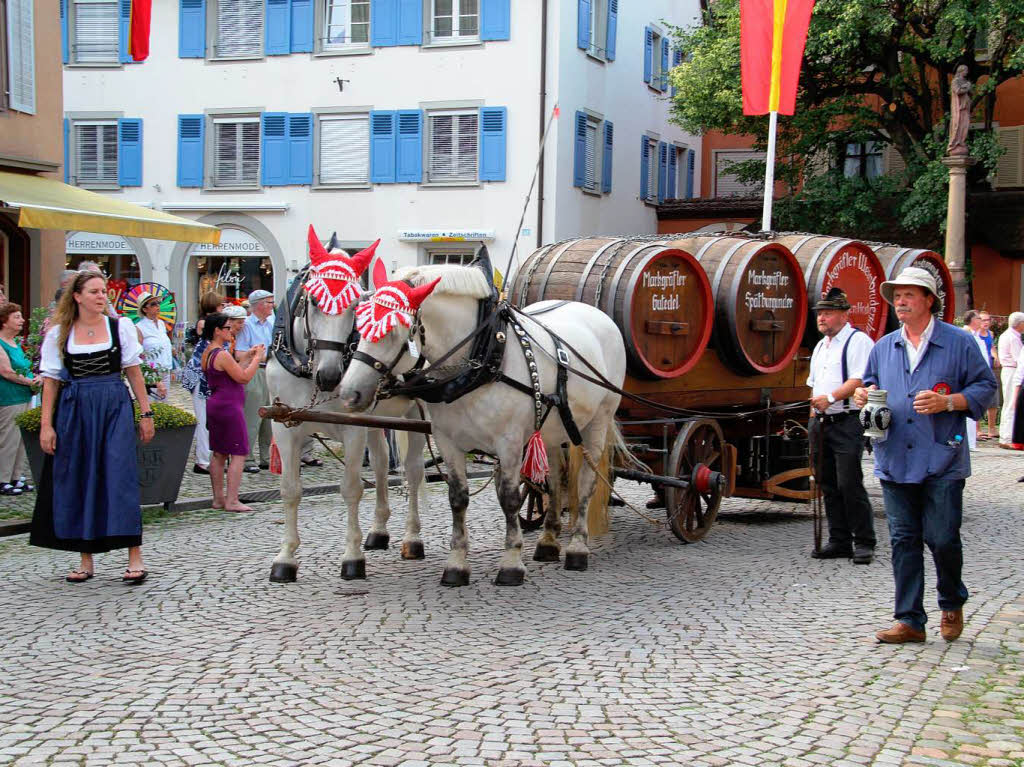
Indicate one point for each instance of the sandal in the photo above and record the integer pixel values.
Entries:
(23, 485)
(312, 462)
(134, 579)
(86, 573)
(8, 489)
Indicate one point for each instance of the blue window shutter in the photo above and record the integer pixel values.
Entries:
(689, 173)
(583, 12)
(493, 138)
(613, 23)
(129, 152)
(677, 59)
(67, 151)
(409, 150)
(277, 27)
(606, 158)
(274, 149)
(64, 30)
(648, 51)
(410, 22)
(662, 170)
(300, 148)
(579, 165)
(645, 151)
(382, 147)
(670, 187)
(124, 20)
(192, 29)
(495, 20)
(191, 134)
(383, 23)
(302, 26)
(663, 85)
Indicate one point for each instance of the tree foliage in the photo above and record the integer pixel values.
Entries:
(874, 70)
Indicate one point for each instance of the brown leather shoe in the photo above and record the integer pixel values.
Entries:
(899, 633)
(952, 624)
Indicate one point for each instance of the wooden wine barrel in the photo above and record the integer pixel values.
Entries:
(830, 262)
(896, 258)
(760, 300)
(658, 295)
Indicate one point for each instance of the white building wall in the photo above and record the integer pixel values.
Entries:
(498, 73)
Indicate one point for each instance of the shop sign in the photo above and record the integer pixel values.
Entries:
(444, 235)
(233, 242)
(88, 243)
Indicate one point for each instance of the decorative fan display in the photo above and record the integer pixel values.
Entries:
(128, 305)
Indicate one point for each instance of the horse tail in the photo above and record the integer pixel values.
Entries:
(615, 453)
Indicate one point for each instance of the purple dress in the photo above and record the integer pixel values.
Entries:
(225, 417)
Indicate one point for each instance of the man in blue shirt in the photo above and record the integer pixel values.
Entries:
(258, 329)
(934, 374)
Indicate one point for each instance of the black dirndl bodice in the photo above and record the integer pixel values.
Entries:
(102, 363)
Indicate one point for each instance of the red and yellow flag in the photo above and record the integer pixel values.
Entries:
(138, 47)
(772, 37)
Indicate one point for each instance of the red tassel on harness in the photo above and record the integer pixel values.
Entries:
(535, 461)
(275, 458)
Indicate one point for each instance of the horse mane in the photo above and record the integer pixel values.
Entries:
(456, 280)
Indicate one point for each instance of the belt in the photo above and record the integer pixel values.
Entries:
(263, 364)
(833, 417)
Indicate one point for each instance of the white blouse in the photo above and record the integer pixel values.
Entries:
(155, 341)
(50, 363)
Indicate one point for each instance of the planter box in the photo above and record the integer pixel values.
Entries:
(161, 463)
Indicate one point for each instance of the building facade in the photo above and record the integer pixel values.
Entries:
(417, 122)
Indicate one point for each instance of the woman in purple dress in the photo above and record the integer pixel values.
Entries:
(225, 417)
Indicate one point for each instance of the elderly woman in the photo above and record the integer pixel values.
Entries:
(15, 392)
(88, 499)
(156, 344)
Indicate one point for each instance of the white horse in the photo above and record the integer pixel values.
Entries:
(332, 333)
(496, 418)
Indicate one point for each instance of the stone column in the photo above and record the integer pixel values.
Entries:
(956, 214)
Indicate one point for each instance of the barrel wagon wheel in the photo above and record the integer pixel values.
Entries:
(692, 511)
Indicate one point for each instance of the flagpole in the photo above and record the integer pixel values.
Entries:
(769, 174)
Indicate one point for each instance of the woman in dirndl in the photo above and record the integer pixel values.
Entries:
(88, 497)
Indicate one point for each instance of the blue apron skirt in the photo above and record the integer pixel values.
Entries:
(88, 495)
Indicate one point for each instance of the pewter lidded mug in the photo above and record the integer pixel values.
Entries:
(875, 416)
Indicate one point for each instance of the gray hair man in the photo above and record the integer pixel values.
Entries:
(1009, 346)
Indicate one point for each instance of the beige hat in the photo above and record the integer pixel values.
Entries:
(144, 297)
(914, 275)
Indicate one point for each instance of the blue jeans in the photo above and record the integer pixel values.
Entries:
(929, 512)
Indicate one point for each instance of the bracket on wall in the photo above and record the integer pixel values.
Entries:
(341, 84)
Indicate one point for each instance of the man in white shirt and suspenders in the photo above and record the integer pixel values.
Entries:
(836, 436)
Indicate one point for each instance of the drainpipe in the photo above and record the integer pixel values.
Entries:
(543, 118)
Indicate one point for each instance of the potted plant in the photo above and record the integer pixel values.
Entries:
(161, 463)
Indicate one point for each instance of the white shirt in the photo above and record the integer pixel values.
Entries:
(155, 341)
(1018, 374)
(50, 362)
(827, 364)
(914, 355)
(1009, 347)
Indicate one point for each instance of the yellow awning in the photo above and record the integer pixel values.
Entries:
(49, 204)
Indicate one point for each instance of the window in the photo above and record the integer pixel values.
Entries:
(236, 151)
(454, 20)
(656, 72)
(21, 56)
(450, 256)
(656, 61)
(596, 23)
(650, 190)
(726, 182)
(237, 28)
(863, 160)
(1010, 166)
(346, 25)
(453, 153)
(94, 32)
(344, 149)
(95, 149)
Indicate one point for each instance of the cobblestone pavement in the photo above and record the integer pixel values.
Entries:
(737, 650)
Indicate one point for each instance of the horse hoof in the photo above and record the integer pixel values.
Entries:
(356, 570)
(508, 576)
(545, 552)
(453, 577)
(376, 542)
(282, 572)
(575, 560)
(413, 550)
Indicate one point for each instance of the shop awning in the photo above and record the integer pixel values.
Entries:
(49, 204)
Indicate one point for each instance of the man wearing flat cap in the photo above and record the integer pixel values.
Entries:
(934, 376)
(837, 367)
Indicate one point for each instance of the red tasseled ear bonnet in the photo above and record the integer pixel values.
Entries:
(334, 277)
(393, 303)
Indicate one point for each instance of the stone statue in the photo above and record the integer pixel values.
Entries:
(960, 122)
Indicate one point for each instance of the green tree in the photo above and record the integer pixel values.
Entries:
(874, 71)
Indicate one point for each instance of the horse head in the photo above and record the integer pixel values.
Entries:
(333, 289)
